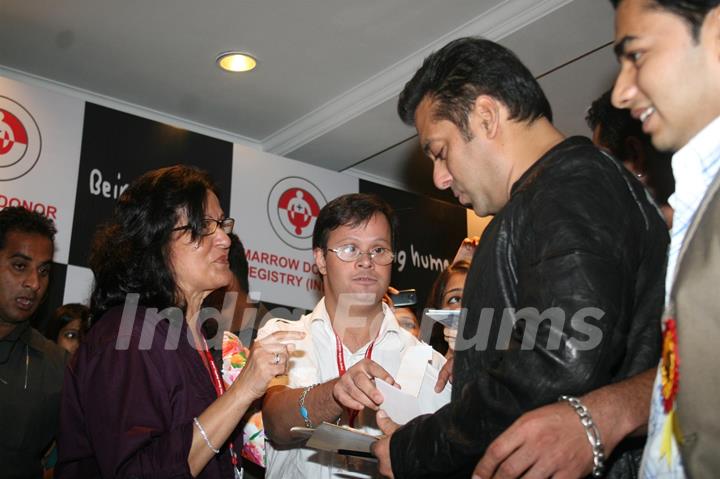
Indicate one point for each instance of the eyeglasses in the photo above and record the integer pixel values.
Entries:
(380, 256)
(210, 225)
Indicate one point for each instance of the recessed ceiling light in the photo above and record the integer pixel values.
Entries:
(236, 62)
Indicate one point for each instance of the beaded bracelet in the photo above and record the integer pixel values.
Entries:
(303, 410)
(204, 435)
(593, 434)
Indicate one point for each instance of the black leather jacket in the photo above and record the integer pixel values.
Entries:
(578, 232)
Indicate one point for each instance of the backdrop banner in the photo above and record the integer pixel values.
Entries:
(39, 151)
(275, 202)
(40, 134)
(71, 160)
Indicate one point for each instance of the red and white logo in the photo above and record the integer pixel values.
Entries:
(293, 206)
(20, 140)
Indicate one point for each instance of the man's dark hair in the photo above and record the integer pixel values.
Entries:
(17, 218)
(616, 127)
(466, 68)
(131, 253)
(692, 11)
(238, 262)
(351, 210)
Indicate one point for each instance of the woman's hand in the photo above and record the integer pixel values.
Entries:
(268, 359)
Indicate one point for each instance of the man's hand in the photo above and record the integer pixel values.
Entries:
(550, 441)
(445, 375)
(381, 447)
(356, 389)
(546, 442)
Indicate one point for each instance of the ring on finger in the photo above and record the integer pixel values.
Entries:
(277, 358)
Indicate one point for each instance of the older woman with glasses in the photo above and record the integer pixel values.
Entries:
(142, 395)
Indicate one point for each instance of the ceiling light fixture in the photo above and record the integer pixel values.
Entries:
(236, 62)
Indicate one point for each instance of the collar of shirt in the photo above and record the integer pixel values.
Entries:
(389, 324)
(20, 332)
(694, 167)
(12, 340)
(24, 332)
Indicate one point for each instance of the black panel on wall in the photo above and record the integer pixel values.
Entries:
(118, 147)
(429, 234)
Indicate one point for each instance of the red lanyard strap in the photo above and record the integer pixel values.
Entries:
(218, 384)
(340, 357)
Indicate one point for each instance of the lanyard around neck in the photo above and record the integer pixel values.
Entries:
(340, 358)
(218, 384)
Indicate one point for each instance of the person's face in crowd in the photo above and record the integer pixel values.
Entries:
(361, 277)
(69, 336)
(201, 266)
(453, 294)
(469, 168)
(25, 264)
(407, 320)
(637, 157)
(667, 79)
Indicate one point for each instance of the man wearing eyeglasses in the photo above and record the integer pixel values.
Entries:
(351, 337)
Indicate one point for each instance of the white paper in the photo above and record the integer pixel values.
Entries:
(403, 407)
(412, 368)
(400, 406)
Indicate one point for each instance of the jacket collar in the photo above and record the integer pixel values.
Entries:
(22, 333)
(25, 335)
(531, 173)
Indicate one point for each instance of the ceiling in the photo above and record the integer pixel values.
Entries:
(329, 71)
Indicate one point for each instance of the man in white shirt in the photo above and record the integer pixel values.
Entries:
(669, 54)
(352, 338)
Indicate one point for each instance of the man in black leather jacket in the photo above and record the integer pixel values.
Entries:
(566, 287)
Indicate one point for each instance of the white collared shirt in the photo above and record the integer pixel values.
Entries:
(315, 361)
(694, 166)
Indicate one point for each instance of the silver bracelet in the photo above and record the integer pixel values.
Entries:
(303, 410)
(205, 436)
(593, 434)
